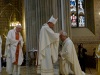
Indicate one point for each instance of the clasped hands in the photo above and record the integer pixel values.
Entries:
(19, 42)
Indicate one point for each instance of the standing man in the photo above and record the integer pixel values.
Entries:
(13, 50)
(82, 56)
(69, 63)
(48, 47)
(0, 52)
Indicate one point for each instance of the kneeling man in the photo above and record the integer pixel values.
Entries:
(69, 63)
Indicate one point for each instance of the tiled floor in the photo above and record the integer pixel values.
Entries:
(89, 71)
(23, 71)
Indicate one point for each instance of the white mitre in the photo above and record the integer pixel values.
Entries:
(53, 20)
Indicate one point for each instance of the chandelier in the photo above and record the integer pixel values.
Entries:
(14, 23)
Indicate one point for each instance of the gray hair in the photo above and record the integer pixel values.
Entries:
(64, 33)
(18, 26)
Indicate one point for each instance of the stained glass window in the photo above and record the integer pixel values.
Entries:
(77, 13)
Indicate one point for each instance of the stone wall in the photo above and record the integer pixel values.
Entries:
(85, 36)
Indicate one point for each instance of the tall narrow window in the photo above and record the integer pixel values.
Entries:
(77, 13)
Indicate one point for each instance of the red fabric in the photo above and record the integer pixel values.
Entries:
(17, 50)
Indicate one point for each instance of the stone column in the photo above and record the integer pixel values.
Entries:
(65, 16)
(68, 21)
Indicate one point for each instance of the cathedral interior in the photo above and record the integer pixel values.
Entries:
(79, 20)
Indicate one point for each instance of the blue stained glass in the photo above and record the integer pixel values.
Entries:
(81, 21)
(80, 7)
(81, 14)
(72, 5)
(77, 13)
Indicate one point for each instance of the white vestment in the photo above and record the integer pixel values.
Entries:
(0, 51)
(69, 63)
(10, 49)
(48, 50)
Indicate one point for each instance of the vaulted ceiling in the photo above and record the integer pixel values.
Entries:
(9, 9)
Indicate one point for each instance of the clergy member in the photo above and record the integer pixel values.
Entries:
(98, 59)
(13, 50)
(0, 52)
(48, 47)
(69, 64)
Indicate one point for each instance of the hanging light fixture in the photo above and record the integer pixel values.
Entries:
(14, 23)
